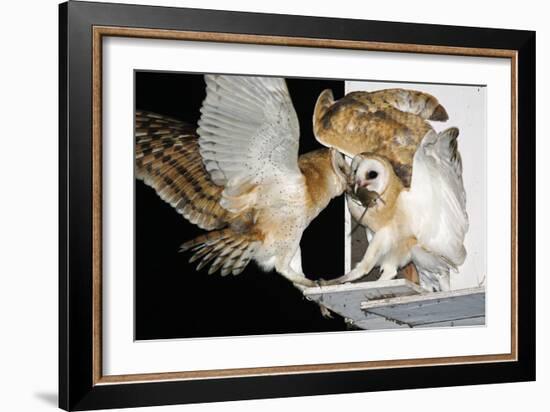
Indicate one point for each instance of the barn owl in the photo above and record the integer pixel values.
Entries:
(389, 122)
(239, 176)
(424, 224)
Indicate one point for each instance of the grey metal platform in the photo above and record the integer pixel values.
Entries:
(399, 303)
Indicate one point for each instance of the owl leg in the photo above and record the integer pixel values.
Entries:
(296, 262)
(296, 266)
(389, 271)
(297, 278)
(293, 271)
(444, 282)
(366, 264)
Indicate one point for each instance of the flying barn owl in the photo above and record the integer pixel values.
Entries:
(239, 176)
(424, 224)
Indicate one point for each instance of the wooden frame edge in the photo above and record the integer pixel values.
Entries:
(297, 41)
(514, 218)
(297, 369)
(98, 32)
(97, 234)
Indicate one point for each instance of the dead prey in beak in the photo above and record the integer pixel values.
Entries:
(367, 198)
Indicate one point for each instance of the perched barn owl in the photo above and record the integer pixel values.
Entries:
(239, 176)
(424, 224)
(390, 123)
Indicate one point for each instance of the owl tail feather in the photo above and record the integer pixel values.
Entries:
(225, 250)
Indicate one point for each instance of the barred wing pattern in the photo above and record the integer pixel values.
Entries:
(228, 175)
(168, 160)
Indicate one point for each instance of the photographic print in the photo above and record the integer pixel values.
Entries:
(257, 206)
(271, 205)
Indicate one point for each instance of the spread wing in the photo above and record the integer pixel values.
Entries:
(406, 100)
(389, 122)
(168, 160)
(436, 201)
(248, 130)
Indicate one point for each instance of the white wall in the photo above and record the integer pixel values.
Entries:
(28, 218)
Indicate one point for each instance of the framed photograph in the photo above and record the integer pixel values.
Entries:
(256, 206)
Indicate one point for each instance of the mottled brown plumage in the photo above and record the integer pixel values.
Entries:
(317, 167)
(389, 123)
(168, 160)
(228, 250)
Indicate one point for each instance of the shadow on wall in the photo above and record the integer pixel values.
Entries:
(49, 398)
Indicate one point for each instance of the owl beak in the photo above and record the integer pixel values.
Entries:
(361, 183)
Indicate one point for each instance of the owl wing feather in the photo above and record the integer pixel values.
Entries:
(248, 137)
(406, 100)
(436, 200)
(248, 130)
(168, 160)
(247, 144)
(389, 122)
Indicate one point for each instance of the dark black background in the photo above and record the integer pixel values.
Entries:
(172, 299)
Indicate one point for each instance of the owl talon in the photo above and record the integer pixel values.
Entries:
(325, 312)
(305, 283)
(331, 282)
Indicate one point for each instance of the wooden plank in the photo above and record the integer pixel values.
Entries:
(346, 299)
(375, 322)
(398, 303)
(382, 289)
(452, 308)
(478, 321)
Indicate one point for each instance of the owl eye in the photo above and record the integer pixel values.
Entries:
(372, 174)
